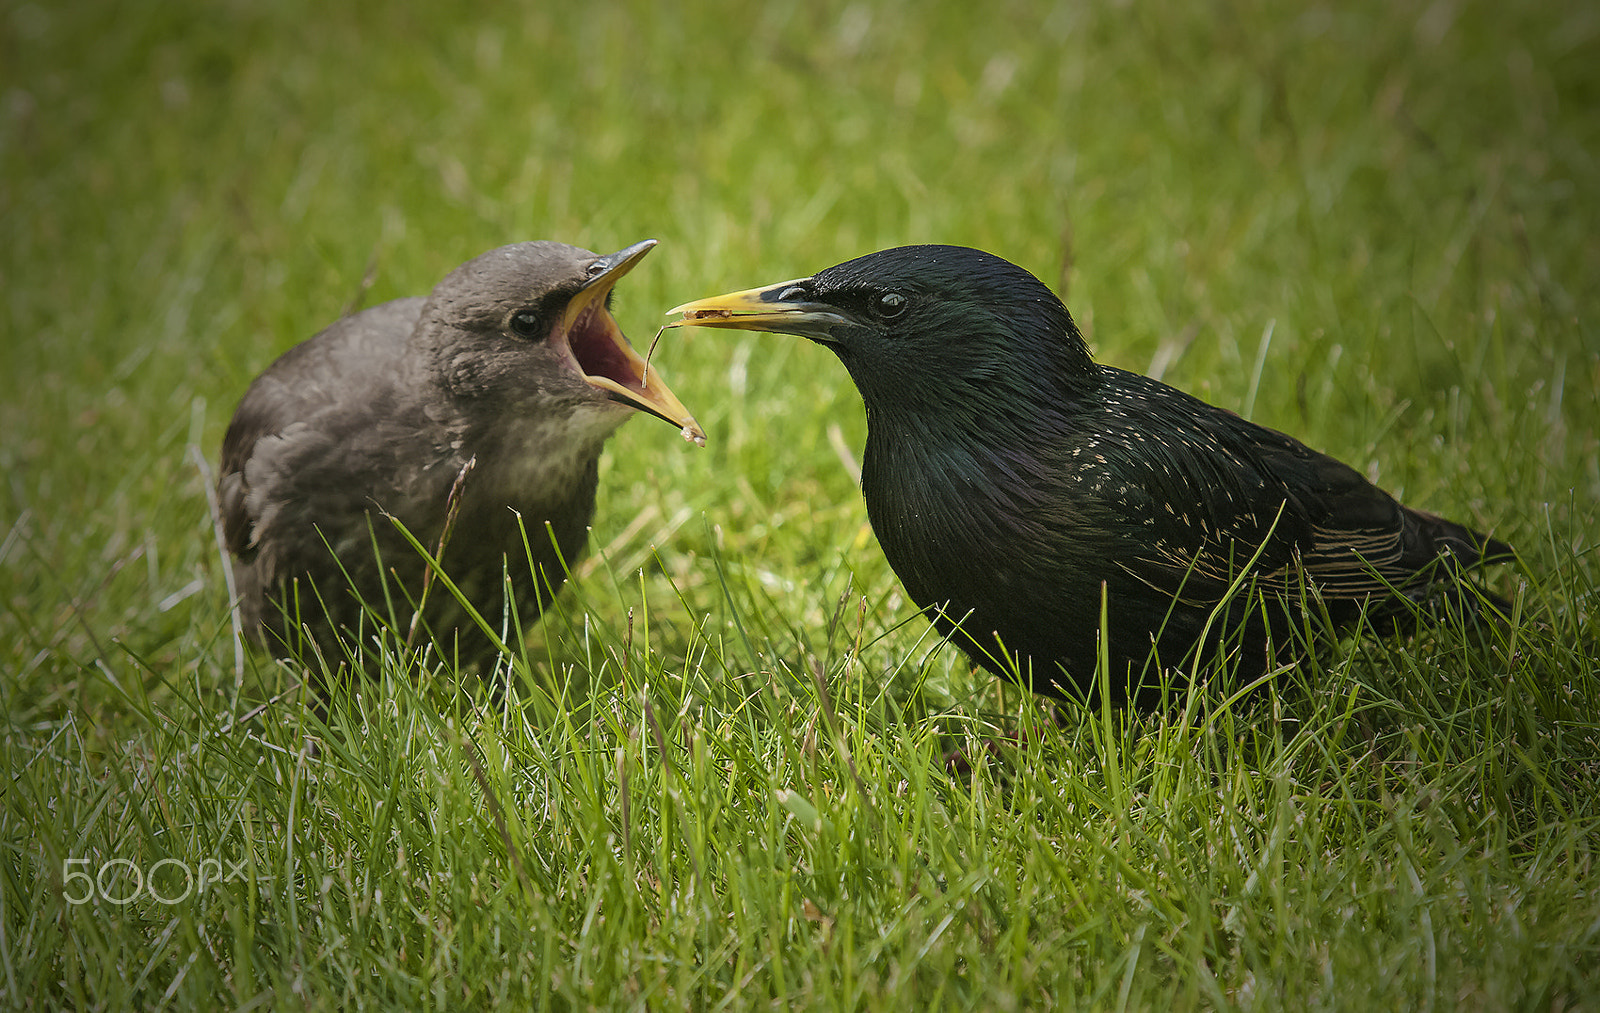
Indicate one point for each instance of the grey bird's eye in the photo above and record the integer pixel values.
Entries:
(525, 323)
(889, 305)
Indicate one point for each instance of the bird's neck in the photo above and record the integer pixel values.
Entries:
(947, 414)
(538, 458)
(531, 455)
(977, 459)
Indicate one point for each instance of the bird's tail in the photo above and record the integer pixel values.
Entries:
(1442, 552)
(1471, 549)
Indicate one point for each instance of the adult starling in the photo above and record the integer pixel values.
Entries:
(488, 400)
(1012, 481)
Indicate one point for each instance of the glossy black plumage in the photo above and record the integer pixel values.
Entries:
(512, 363)
(1009, 478)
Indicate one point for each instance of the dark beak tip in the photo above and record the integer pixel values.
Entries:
(613, 266)
(634, 252)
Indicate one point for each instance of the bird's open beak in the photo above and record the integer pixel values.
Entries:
(603, 354)
(781, 309)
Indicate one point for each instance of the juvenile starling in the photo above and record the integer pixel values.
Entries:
(1012, 481)
(489, 399)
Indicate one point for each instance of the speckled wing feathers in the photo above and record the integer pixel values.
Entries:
(1217, 491)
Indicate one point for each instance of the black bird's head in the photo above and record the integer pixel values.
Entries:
(526, 330)
(941, 332)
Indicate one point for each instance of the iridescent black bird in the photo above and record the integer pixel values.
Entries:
(1010, 478)
(513, 363)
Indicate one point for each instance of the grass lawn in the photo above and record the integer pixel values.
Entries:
(721, 782)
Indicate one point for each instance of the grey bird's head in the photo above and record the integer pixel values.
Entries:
(527, 329)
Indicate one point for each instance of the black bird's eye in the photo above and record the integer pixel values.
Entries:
(525, 323)
(889, 305)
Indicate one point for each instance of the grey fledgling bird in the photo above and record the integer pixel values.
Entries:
(489, 399)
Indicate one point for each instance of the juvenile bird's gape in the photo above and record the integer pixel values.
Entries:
(1014, 482)
(478, 411)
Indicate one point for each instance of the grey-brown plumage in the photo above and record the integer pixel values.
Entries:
(514, 364)
(1015, 484)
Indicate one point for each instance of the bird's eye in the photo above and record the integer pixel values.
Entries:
(598, 267)
(889, 305)
(794, 293)
(525, 323)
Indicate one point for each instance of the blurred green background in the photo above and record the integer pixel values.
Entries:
(1371, 224)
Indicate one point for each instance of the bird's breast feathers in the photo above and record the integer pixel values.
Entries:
(535, 457)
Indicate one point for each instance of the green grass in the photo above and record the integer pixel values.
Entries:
(722, 785)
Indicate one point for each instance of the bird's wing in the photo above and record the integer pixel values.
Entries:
(1211, 495)
(283, 418)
